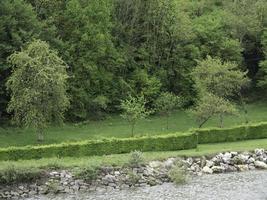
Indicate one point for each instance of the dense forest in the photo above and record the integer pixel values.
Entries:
(114, 48)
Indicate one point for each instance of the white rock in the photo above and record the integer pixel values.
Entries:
(226, 157)
(260, 165)
(242, 168)
(259, 152)
(155, 164)
(169, 163)
(207, 170)
(209, 163)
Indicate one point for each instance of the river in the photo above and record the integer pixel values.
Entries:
(232, 186)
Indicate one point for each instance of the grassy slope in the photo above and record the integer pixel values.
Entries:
(120, 159)
(116, 127)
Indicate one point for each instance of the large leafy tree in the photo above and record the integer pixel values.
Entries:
(262, 80)
(38, 87)
(18, 25)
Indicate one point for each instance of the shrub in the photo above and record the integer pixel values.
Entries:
(171, 142)
(88, 174)
(136, 158)
(177, 174)
(133, 177)
(11, 175)
(244, 132)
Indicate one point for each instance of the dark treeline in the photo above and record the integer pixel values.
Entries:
(118, 47)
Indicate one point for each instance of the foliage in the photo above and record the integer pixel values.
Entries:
(88, 174)
(166, 103)
(262, 80)
(18, 24)
(210, 106)
(11, 175)
(136, 158)
(222, 79)
(38, 87)
(133, 110)
(217, 82)
(244, 132)
(177, 174)
(102, 147)
(133, 177)
(116, 48)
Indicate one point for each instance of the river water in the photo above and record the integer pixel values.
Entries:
(251, 185)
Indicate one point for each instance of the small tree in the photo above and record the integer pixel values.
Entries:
(211, 105)
(166, 103)
(133, 110)
(38, 87)
(221, 79)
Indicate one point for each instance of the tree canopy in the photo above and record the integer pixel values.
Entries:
(38, 87)
(116, 48)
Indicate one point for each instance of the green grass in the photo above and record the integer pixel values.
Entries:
(121, 159)
(114, 126)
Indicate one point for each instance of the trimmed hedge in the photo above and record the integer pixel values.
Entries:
(245, 132)
(171, 142)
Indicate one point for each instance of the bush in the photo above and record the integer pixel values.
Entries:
(177, 174)
(88, 174)
(11, 175)
(136, 158)
(244, 132)
(171, 142)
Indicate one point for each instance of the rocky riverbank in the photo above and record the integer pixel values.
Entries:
(151, 174)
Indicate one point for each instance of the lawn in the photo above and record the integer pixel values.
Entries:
(121, 159)
(114, 126)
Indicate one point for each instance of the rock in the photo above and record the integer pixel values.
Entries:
(207, 170)
(259, 152)
(234, 153)
(217, 159)
(189, 161)
(169, 163)
(240, 159)
(209, 163)
(226, 157)
(155, 164)
(260, 165)
(195, 167)
(218, 169)
(251, 160)
(228, 168)
(242, 168)
(117, 173)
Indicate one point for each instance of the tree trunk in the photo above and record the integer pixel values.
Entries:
(40, 135)
(167, 122)
(203, 122)
(243, 105)
(221, 121)
(132, 130)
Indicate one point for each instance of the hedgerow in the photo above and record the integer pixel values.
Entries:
(244, 132)
(171, 142)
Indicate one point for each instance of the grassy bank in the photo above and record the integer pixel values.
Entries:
(114, 126)
(121, 159)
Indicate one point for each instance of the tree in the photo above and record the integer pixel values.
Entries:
(133, 110)
(18, 25)
(220, 79)
(262, 80)
(223, 79)
(38, 87)
(166, 103)
(211, 105)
